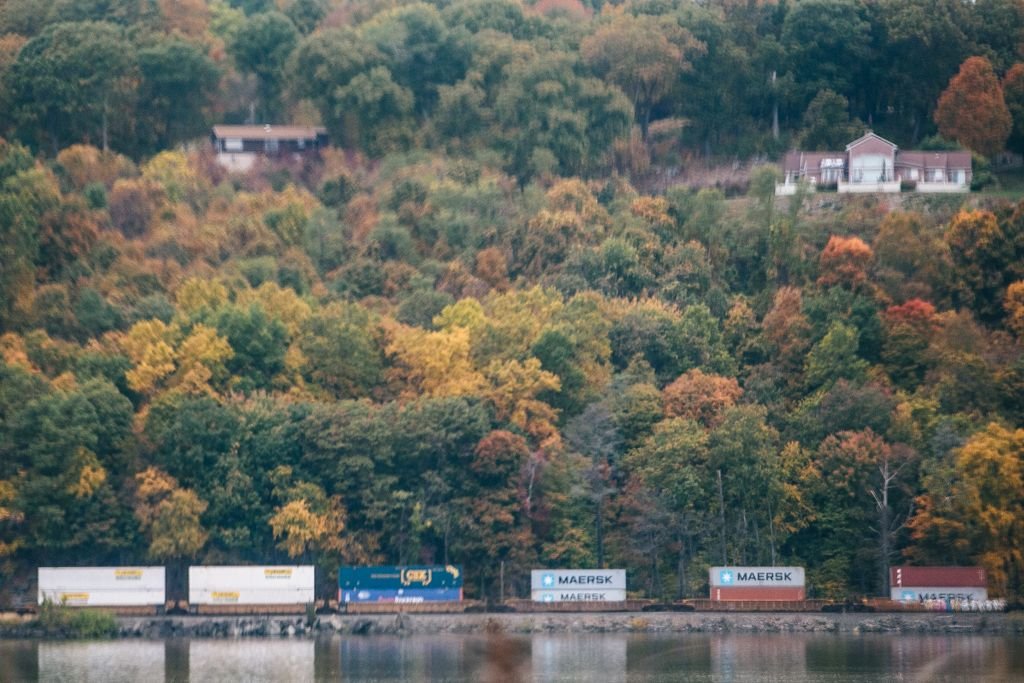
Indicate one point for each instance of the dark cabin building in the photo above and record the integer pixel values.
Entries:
(238, 147)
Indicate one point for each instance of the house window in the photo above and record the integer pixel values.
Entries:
(233, 144)
(300, 143)
(913, 174)
(270, 145)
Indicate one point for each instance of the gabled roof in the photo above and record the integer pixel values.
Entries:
(806, 161)
(870, 136)
(269, 132)
(926, 159)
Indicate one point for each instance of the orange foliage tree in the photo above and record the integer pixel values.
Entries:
(701, 397)
(845, 261)
(972, 110)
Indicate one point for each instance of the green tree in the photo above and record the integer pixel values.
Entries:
(644, 56)
(177, 83)
(72, 83)
(827, 123)
(262, 46)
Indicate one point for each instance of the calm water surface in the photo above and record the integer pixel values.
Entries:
(606, 657)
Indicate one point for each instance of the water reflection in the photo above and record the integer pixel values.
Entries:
(736, 658)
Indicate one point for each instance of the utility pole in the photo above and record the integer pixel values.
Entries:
(721, 517)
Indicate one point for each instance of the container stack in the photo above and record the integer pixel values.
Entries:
(409, 584)
(250, 586)
(757, 583)
(924, 584)
(578, 585)
(102, 586)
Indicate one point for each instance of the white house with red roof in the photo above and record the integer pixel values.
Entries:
(873, 164)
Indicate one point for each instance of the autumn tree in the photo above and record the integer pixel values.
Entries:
(980, 253)
(974, 516)
(307, 519)
(169, 516)
(972, 109)
(1014, 305)
(644, 56)
(844, 261)
(701, 397)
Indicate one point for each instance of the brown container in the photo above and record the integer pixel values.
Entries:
(944, 577)
(757, 593)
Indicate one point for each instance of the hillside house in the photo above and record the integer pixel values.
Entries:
(238, 147)
(873, 164)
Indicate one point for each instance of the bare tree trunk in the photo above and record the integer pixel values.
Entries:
(775, 108)
(721, 517)
(771, 531)
(681, 569)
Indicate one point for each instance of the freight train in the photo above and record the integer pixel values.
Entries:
(439, 588)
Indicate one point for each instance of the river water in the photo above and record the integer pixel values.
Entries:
(606, 657)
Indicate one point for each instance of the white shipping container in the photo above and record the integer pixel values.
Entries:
(764, 577)
(577, 579)
(279, 585)
(920, 594)
(102, 586)
(580, 595)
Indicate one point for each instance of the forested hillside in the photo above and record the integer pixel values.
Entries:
(471, 332)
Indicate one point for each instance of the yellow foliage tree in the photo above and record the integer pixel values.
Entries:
(978, 517)
(433, 364)
(308, 520)
(1014, 304)
(169, 516)
(163, 359)
(279, 302)
(514, 388)
(91, 474)
(196, 294)
(172, 172)
(9, 516)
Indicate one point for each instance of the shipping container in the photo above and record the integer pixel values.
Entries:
(278, 585)
(757, 593)
(955, 577)
(919, 594)
(577, 579)
(765, 577)
(581, 594)
(102, 586)
(393, 578)
(402, 595)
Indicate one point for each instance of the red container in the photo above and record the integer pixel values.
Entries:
(945, 577)
(762, 593)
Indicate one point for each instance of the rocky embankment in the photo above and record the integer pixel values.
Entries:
(413, 624)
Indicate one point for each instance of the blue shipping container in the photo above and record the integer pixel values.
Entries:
(406, 595)
(394, 578)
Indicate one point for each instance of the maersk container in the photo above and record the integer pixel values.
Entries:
(579, 594)
(949, 577)
(102, 586)
(922, 594)
(760, 593)
(395, 577)
(401, 595)
(764, 577)
(577, 579)
(277, 585)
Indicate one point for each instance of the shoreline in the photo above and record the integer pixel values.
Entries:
(403, 624)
